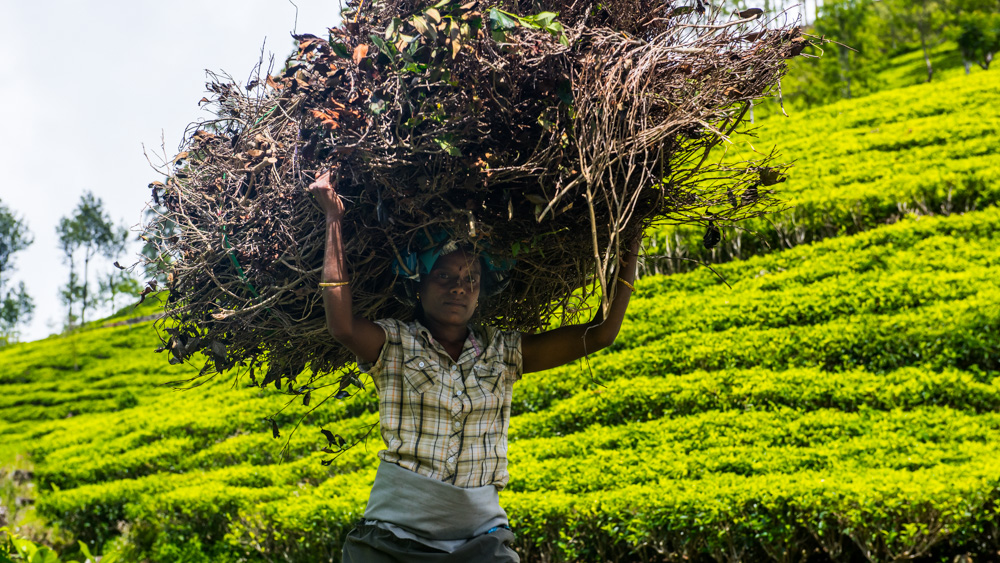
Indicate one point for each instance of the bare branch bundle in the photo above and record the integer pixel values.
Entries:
(539, 140)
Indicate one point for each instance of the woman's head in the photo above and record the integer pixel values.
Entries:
(449, 293)
(414, 267)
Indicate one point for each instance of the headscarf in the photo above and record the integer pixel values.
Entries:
(411, 264)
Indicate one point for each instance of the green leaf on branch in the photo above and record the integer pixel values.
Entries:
(500, 20)
(340, 50)
(541, 20)
(559, 31)
(424, 28)
(393, 27)
(565, 92)
(415, 68)
(385, 48)
(448, 147)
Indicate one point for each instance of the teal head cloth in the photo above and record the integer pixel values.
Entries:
(411, 264)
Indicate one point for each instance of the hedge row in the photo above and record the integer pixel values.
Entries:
(658, 396)
(926, 150)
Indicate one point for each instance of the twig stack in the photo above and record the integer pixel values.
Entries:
(542, 139)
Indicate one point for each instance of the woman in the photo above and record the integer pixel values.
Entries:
(444, 403)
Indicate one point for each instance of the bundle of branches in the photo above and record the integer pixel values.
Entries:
(547, 141)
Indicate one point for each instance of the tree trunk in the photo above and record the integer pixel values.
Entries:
(83, 307)
(845, 68)
(927, 57)
(69, 296)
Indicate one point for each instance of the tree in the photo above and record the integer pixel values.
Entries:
(16, 308)
(16, 305)
(925, 18)
(855, 28)
(117, 281)
(978, 37)
(91, 232)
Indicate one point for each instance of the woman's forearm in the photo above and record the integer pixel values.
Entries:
(336, 298)
(554, 348)
(604, 328)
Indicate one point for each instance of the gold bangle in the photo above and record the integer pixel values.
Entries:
(628, 285)
(333, 284)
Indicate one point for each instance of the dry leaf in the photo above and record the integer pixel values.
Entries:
(274, 83)
(327, 119)
(360, 52)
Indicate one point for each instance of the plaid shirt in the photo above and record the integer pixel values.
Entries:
(441, 418)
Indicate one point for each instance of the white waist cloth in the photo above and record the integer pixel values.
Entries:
(429, 511)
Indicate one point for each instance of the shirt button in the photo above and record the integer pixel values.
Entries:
(451, 459)
(458, 393)
(458, 425)
(421, 364)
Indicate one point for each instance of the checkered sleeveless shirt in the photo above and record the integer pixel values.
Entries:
(441, 418)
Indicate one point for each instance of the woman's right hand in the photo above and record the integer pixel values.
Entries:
(327, 197)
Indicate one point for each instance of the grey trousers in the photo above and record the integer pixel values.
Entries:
(371, 544)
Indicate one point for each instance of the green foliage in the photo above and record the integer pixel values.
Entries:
(90, 231)
(825, 396)
(14, 548)
(16, 305)
(16, 308)
(978, 37)
(849, 22)
(921, 150)
(881, 45)
(14, 237)
(501, 21)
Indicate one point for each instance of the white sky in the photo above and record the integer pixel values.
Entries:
(84, 84)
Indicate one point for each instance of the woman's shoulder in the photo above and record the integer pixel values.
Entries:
(495, 337)
(395, 325)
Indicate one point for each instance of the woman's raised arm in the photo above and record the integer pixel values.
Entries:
(361, 336)
(565, 344)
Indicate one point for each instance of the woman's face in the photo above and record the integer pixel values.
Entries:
(449, 294)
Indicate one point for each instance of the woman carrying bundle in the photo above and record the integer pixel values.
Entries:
(444, 390)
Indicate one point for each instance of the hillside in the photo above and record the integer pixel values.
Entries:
(838, 402)
(856, 164)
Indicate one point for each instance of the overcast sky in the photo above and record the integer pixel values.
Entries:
(84, 84)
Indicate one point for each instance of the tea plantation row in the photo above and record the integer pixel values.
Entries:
(926, 149)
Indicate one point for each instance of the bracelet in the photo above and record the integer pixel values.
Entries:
(333, 284)
(628, 285)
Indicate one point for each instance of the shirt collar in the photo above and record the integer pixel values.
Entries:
(471, 339)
